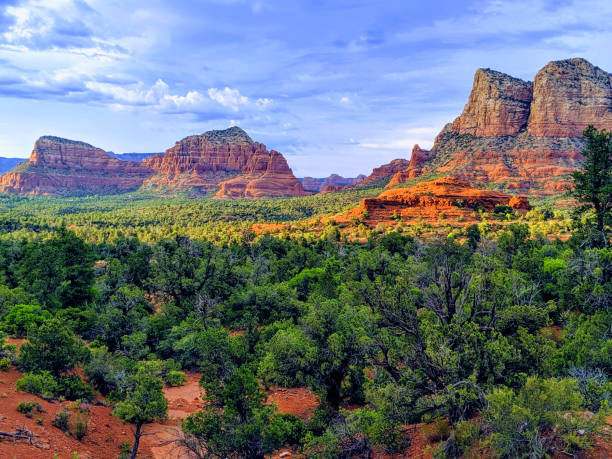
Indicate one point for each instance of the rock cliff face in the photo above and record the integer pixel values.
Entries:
(229, 158)
(521, 136)
(380, 175)
(428, 200)
(498, 105)
(418, 160)
(265, 175)
(334, 181)
(60, 167)
(568, 96)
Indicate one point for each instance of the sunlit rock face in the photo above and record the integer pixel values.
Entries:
(228, 159)
(518, 135)
(60, 166)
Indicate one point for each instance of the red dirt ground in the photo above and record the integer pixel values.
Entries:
(106, 433)
(299, 401)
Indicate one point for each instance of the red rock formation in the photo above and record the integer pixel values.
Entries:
(518, 139)
(265, 175)
(229, 158)
(498, 105)
(383, 173)
(59, 166)
(418, 161)
(334, 181)
(449, 195)
(568, 96)
(332, 189)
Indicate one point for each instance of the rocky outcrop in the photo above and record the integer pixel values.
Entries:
(498, 105)
(381, 175)
(334, 181)
(60, 166)
(448, 197)
(418, 161)
(227, 158)
(265, 175)
(518, 136)
(568, 96)
(204, 162)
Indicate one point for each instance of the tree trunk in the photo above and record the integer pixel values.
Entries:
(333, 391)
(136, 441)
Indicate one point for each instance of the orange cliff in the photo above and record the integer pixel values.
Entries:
(519, 135)
(449, 196)
(265, 175)
(418, 160)
(227, 158)
(381, 175)
(60, 166)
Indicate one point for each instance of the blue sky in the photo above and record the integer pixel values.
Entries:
(337, 86)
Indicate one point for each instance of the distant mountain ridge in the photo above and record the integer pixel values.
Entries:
(317, 185)
(136, 157)
(6, 164)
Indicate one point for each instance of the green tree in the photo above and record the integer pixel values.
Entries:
(144, 403)
(326, 351)
(236, 424)
(59, 272)
(593, 183)
(53, 347)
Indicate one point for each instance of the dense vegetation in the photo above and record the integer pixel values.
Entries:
(499, 341)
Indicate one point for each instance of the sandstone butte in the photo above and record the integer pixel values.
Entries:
(521, 136)
(449, 196)
(60, 166)
(227, 158)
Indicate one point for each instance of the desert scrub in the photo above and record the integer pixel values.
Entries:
(79, 430)
(5, 363)
(437, 430)
(175, 378)
(27, 408)
(42, 384)
(61, 420)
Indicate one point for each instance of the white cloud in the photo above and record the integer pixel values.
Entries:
(228, 97)
(160, 97)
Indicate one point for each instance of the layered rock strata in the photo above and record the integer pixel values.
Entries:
(60, 166)
(334, 181)
(518, 135)
(227, 158)
(447, 196)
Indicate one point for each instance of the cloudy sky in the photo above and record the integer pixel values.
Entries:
(336, 85)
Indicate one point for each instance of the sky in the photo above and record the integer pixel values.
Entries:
(337, 86)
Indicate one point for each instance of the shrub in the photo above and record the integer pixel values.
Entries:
(80, 427)
(437, 430)
(466, 434)
(22, 317)
(42, 384)
(74, 388)
(27, 408)
(61, 419)
(5, 363)
(40, 421)
(175, 378)
(518, 419)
